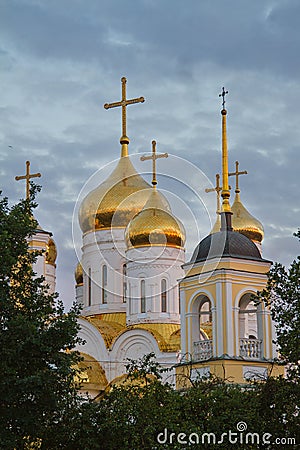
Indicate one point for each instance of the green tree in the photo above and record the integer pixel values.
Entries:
(282, 296)
(153, 415)
(37, 390)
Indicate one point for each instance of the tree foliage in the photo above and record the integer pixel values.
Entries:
(37, 386)
(153, 415)
(282, 296)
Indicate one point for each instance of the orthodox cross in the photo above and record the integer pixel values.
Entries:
(218, 190)
(223, 93)
(154, 157)
(237, 173)
(124, 103)
(27, 178)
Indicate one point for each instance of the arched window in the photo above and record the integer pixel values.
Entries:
(250, 328)
(202, 320)
(89, 287)
(202, 328)
(163, 295)
(143, 296)
(124, 284)
(247, 318)
(104, 284)
(205, 318)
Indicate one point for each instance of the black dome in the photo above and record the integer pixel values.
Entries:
(226, 243)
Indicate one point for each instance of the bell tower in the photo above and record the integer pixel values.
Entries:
(223, 331)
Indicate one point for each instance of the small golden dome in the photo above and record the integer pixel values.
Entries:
(51, 252)
(155, 225)
(217, 226)
(244, 222)
(79, 274)
(115, 201)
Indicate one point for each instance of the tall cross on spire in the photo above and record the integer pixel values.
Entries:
(27, 177)
(223, 93)
(237, 173)
(218, 190)
(154, 157)
(124, 103)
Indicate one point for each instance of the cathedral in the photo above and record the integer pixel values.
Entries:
(140, 295)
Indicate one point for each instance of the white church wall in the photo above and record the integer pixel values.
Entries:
(103, 248)
(154, 264)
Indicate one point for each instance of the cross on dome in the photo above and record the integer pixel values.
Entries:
(218, 190)
(124, 103)
(154, 157)
(27, 177)
(237, 173)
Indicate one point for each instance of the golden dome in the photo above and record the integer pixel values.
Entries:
(244, 222)
(115, 201)
(51, 252)
(155, 225)
(79, 274)
(217, 226)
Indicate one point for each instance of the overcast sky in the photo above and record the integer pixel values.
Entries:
(61, 60)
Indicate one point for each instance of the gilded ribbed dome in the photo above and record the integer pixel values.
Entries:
(155, 225)
(115, 201)
(244, 222)
(79, 274)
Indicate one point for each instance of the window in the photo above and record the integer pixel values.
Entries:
(104, 284)
(248, 318)
(250, 328)
(130, 299)
(202, 321)
(89, 287)
(163, 295)
(124, 284)
(143, 296)
(205, 314)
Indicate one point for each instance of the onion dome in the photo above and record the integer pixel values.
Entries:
(51, 252)
(226, 244)
(244, 222)
(155, 225)
(79, 274)
(115, 201)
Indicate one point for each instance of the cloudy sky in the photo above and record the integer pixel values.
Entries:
(61, 60)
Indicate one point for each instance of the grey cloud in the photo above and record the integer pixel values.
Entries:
(59, 64)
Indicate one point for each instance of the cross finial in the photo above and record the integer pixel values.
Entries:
(237, 173)
(124, 103)
(223, 93)
(154, 157)
(218, 190)
(27, 178)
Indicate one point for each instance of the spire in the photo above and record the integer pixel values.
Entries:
(225, 187)
(154, 157)
(27, 177)
(124, 140)
(225, 218)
